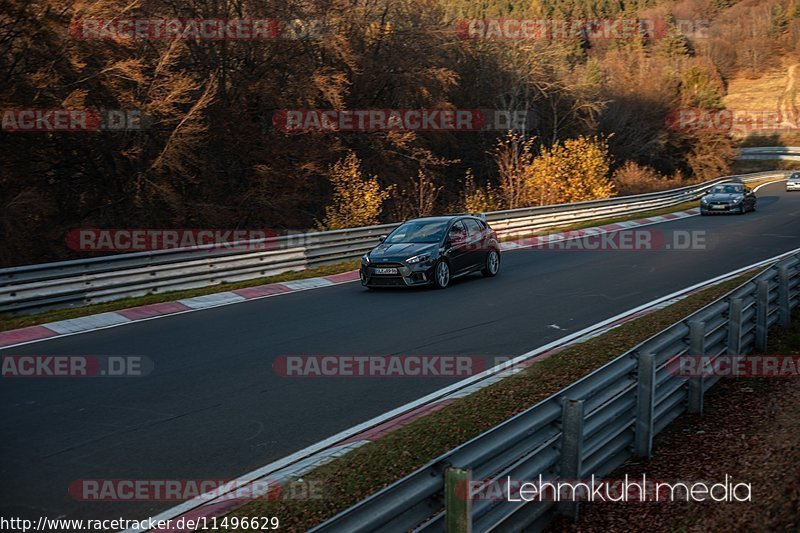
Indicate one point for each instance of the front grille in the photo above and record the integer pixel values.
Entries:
(387, 281)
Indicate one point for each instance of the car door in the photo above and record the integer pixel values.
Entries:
(456, 247)
(749, 198)
(476, 252)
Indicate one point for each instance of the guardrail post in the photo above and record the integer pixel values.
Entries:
(697, 347)
(784, 306)
(762, 315)
(645, 405)
(457, 500)
(735, 307)
(571, 451)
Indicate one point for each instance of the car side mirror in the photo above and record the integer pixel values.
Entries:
(382, 238)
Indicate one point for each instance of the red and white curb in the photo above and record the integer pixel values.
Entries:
(304, 461)
(85, 324)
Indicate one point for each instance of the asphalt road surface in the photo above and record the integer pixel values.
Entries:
(213, 408)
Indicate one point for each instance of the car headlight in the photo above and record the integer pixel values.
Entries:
(703, 200)
(418, 259)
(737, 200)
(365, 258)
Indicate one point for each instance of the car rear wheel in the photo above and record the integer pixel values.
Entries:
(492, 266)
(441, 275)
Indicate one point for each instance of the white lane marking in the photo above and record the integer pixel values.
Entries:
(319, 448)
(212, 300)
(312, 283)
(86, 323)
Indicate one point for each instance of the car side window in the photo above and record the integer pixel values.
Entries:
(473, 227)
(458, 232)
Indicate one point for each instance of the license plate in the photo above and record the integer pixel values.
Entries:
(717, 207)
(386, 270)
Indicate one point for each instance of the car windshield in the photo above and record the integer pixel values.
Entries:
(794, 177)
(726, 189)
(418, 231)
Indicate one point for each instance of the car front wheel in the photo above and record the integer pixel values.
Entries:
(492, 266)
(441, 275)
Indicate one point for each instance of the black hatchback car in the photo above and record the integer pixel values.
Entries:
(733, 197)
(432, 251)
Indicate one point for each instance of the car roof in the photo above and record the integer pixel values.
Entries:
(442, 218)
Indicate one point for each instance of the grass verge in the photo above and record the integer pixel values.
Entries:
(363, 471)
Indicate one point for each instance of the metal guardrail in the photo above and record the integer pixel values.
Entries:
(593, 425)
(787, 153)
(80, 282)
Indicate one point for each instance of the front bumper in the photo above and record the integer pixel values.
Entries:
(405, 276)
(793, 186)
(714, 209)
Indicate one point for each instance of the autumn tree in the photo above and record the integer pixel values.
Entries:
(476, 199)
(633, 178)
(574, 170)
(417, 198)
(513, 155)
(357, 199)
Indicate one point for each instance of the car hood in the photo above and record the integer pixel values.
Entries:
(723, 197)
(401, 251)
